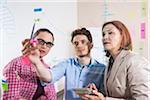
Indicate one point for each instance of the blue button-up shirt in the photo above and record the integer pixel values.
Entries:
(78, 76)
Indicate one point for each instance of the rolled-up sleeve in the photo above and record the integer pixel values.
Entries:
(58, 71)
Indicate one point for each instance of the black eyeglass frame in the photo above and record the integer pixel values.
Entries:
(42, 42)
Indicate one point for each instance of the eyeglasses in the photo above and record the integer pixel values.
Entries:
(42, 42)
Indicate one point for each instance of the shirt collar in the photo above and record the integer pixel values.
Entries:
(92, 62)
(26, 60)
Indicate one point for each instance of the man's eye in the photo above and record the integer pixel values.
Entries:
(84, 42)
(75, 43)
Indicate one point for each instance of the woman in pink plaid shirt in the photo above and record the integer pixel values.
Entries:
(22, 78)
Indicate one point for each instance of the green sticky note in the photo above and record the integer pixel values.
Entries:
(37, 19)
(5, 86)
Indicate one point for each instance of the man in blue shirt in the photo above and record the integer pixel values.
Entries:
(78, 71)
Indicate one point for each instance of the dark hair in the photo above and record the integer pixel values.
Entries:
(126, 42)
(43, 30)
(82, 31)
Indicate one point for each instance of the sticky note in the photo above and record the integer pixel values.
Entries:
(144, 9)
(4, 81)
(131, 14)
(142, 30)
(37, 19)
(141, 48)
(37, 9)
(4, 85)
(144, 13)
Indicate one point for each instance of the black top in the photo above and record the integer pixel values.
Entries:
(39, 90)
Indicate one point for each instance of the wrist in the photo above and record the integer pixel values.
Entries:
(104, 98)
(38, 63)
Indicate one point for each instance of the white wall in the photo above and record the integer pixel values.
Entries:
(131, 12)
(63, 16)
(17, 17)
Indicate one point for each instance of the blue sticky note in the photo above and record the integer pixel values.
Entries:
(4, 85)
(37, 9)
(4, 81)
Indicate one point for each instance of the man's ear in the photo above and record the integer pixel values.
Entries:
(91, 45)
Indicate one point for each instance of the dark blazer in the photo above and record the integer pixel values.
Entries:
(129, 78)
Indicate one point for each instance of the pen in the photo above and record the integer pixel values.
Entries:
(31, 37)
(32, 40)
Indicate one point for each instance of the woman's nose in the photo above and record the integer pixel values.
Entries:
(105, 36)
(44, 45)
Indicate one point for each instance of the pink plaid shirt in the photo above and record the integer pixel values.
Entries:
(22, 81)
